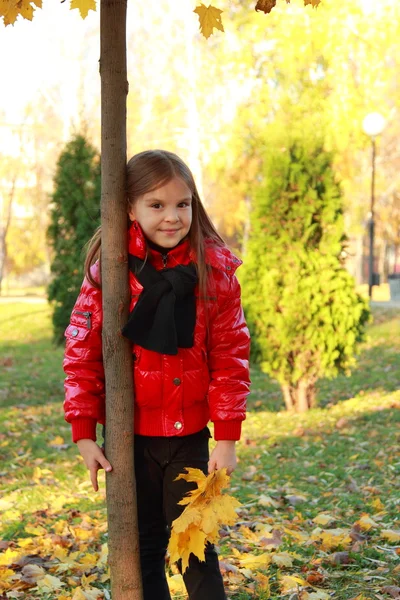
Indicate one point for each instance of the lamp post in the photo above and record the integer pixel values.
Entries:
(373, 125)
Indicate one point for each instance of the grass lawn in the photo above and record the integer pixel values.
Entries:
(320, 493)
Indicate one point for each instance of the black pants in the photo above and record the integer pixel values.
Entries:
(158, 461)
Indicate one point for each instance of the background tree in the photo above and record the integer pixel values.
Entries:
(305, 315)
(75, 214)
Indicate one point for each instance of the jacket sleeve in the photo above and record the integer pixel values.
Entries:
(83, 365)
(228, 360)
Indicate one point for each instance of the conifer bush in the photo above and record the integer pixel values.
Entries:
(75, 215)
(305, 315)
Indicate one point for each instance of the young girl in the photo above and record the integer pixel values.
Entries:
(190, 349)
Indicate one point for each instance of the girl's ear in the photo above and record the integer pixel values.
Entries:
(131, 213)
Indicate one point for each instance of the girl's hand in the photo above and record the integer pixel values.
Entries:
(94, 459)
(223, 455)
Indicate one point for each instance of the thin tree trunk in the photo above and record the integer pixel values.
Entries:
(287, 395)
(4, 231)
(302, 401)
(123, 540)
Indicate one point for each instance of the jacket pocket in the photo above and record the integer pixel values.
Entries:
(76, 332)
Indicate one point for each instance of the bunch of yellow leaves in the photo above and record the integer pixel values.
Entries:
(207, 509)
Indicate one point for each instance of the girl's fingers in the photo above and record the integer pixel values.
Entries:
(93, 477)
(212, 465)
(104, 464)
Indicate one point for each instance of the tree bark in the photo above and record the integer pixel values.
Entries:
(123, 539)
(301, 397)
(287, 395)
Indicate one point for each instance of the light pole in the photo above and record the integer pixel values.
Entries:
(373, 125)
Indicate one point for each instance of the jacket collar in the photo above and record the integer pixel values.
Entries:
(219, 257)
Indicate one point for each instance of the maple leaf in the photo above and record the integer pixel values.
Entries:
(210, 19)
(206, 510)
(291, 583)
(265, 5)
(48, 584)
(392, 535)
(83, 6)
(366, 523)
(323, 519)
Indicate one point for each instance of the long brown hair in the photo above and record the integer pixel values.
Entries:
(146, 172)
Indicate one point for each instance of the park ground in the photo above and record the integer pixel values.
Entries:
(320, 492)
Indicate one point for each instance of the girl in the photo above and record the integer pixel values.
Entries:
(190, 349)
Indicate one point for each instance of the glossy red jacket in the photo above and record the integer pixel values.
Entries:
(174, 395)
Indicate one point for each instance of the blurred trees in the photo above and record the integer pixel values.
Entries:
(26, 168)
(75, 215)
(305, 315)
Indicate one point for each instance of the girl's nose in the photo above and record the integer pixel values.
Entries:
(172, 215)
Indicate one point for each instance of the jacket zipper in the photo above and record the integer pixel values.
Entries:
(88, 316)
(164, 260)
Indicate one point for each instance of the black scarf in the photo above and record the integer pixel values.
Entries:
(164, 317)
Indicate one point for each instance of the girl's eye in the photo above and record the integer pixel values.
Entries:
(184, 204)
(156, 205)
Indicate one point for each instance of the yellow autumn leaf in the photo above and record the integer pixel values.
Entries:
(366, 523)
(378, 505)
(210, 19)
(78, 594)
(262, 584)
(318, 595)
(9, 557)
(83, 6)
(392, 535)
(299, 536)
(81, 534)
(282, 559)
(6, 579)
(291, 583)
(88, 579)
(323, 519)
(255, 561)
(264, 500)
(181, 545)
(57, 441)
(48, 584)
(176, 584)
(35, 530)
(333, 538)
(206, 510)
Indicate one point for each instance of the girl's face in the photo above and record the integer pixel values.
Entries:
(165, 214)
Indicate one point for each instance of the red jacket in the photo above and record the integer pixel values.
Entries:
(174, 395)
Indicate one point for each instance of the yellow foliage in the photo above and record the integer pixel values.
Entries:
(366, 523)
(282, 559)
(83, 6)
(391, 535)
(210, 18)
(255, 561)
(206, 510)
(291, 583)
(323, 519)
(8, 557)
(49, 583)
(6, 578)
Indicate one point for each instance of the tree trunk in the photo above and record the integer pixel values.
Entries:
(287, 395)
(123, 539)
(301, 397)
(4, 231)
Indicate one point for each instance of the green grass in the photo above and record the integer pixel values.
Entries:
(341, 459)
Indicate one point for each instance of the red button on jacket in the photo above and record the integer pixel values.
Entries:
(174, 395)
